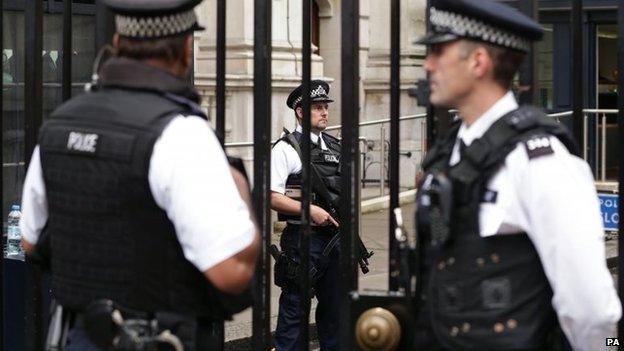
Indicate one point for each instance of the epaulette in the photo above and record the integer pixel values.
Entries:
(538, 145)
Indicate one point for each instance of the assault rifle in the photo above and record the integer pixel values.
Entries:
(325, 198)
(361, 251)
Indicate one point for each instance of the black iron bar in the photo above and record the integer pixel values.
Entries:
(221, 33)
(33, 74)
(33, 114)
(262, 161)
(432, 130)
(2, 342)
(576, 73)
(395, 141)
(304, 244)
(67, 50)
(528, 93)
(350, 197)
(620, 157)
(104, 28)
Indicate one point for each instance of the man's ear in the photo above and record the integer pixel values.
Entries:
(299, 112)
(481, 62)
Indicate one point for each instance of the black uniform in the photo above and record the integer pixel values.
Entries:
(480, 293)
(325, 263)
(471, 283)
(107, 238)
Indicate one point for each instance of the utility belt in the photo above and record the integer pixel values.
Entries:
(287, 272)
(111, 327)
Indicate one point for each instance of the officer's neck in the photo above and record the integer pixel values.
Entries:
(174, 68)
(313, 130)
(479, 101)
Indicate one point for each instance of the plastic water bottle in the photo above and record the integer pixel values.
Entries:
(14, 235)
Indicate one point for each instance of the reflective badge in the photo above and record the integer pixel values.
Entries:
(83, 142)
(490, 196)
(538, 146)
(450, 298)
(496, 293)
(331, 158)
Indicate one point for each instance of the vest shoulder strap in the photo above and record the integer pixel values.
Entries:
(315, 177)
(526, 124)
(442, 148)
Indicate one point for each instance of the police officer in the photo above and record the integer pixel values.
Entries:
(134, 192)
(285, 199)
(512, 240)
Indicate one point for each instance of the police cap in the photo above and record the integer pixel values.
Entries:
(319, 92)
(481, 20)
(154, 19)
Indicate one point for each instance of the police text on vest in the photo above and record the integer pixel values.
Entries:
(82, 142)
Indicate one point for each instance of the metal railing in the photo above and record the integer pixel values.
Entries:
(599, 117)
(238, 144)
(382, 159)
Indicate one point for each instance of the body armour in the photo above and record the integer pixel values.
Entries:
(108, 237)
(327, 165)
(481, 293)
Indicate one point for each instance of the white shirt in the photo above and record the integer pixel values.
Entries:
(553, 199)
(285, 161)
(190, 180)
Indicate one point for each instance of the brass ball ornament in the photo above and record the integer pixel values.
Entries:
(378, 329)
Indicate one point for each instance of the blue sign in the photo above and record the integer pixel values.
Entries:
(609, 211)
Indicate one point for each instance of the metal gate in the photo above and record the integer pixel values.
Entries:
(35, 294)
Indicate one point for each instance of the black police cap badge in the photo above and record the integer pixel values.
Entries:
(319, 92)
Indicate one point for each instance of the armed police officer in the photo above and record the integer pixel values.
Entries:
(130, 195)
(508, 216)
(285, 199)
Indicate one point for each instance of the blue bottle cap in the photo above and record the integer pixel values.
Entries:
(15, 208)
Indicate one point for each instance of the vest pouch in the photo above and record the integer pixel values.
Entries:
(434, 201)
(490, 293)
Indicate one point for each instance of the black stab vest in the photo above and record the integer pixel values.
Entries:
(486, 293)
(108, 237)
(326, 163)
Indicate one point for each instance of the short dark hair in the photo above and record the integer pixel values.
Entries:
(506, 61)
(169, 49)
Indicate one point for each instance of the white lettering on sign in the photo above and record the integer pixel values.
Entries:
(611, 218)
(609, 203)
(82, 142)
(538, 143)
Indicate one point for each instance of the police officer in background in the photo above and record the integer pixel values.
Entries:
(285, 199)
(508, 216)
(134, 193)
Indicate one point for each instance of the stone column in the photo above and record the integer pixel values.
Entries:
(239, 66)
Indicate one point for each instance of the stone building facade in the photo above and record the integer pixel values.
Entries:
(287, 43)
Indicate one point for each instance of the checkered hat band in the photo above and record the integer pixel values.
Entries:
(316, 93)
(155, 27)
(463, 26)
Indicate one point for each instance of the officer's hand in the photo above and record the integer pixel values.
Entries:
(320, 217)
